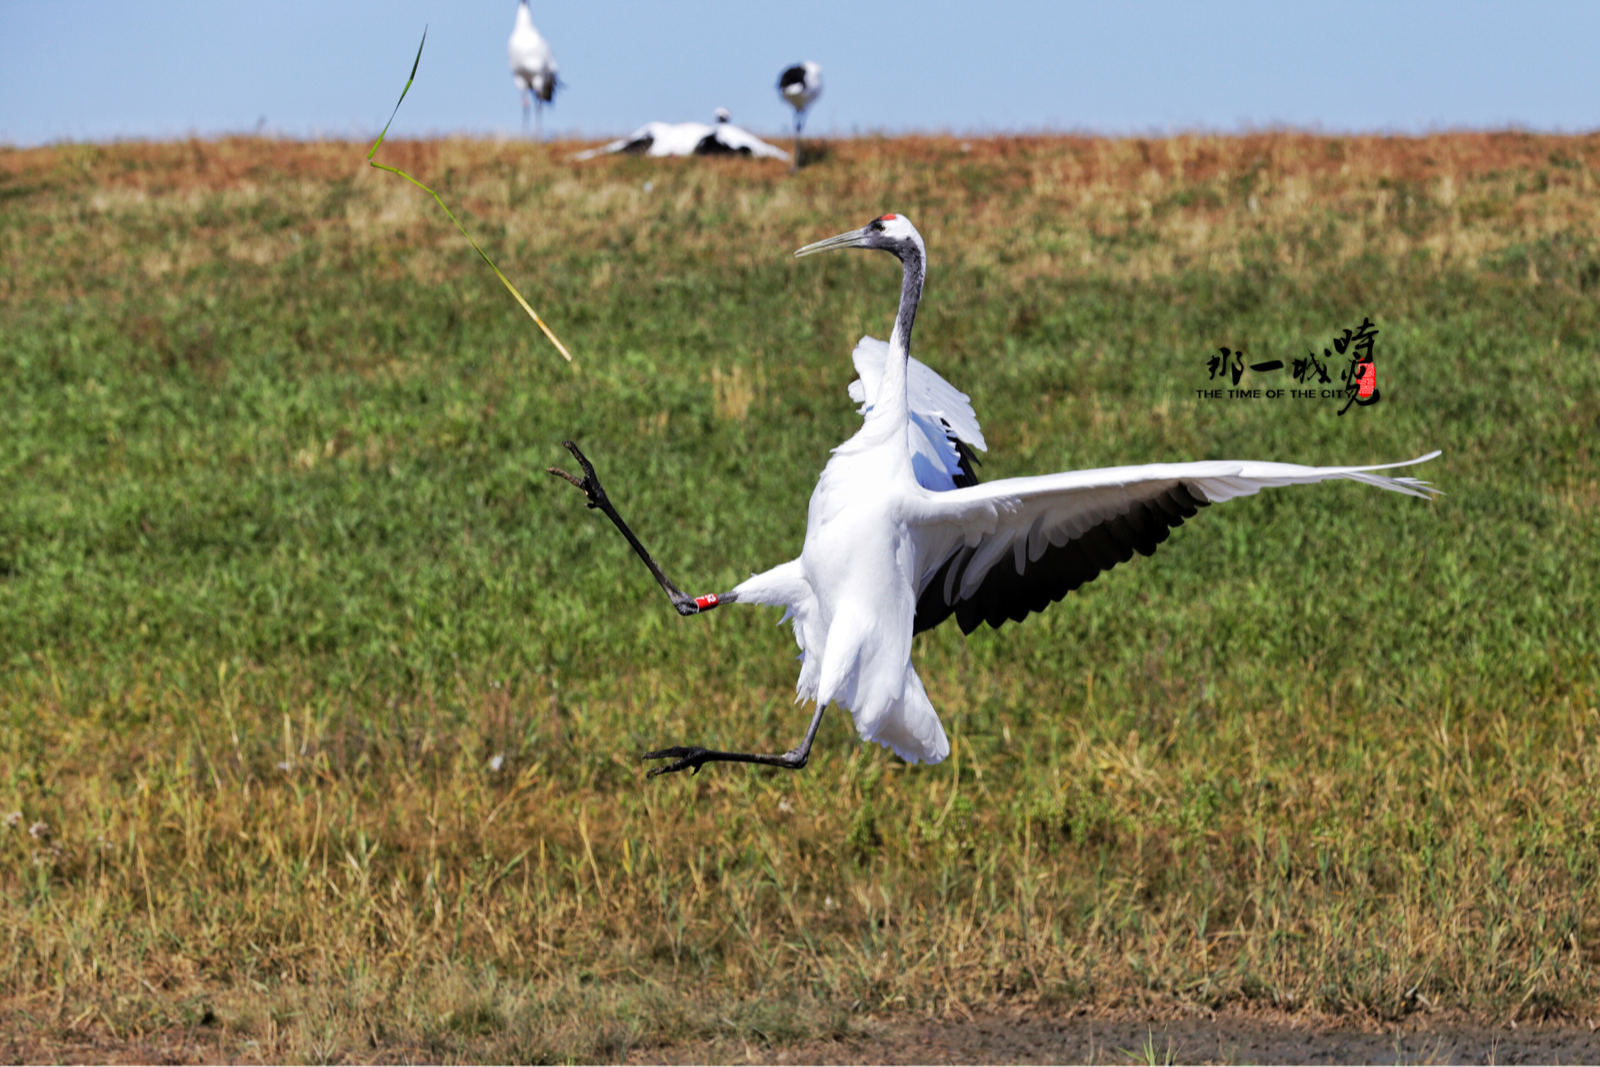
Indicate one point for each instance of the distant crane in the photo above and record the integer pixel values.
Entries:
(533, 68)
(690, 139)
(800, 85)
(899, 535)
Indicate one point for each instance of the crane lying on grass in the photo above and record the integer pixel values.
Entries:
(899, 535)
(662, 139)
(533, 68)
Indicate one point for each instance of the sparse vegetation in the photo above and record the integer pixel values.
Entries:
(324, 703)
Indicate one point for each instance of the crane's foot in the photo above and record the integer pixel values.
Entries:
(589, 483)
(684, 758)
(691, 758)
(595, 494)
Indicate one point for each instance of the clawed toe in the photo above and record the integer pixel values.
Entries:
(559, 473)
(589, 483)
(692, 758)
(683, 758)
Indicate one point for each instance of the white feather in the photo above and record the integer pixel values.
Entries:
(937, 410)
(1019, 517)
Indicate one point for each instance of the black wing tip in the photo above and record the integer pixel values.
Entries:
(968, 459)
(710, 145)
(1006, 596)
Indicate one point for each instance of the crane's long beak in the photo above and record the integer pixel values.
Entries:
(853, 239)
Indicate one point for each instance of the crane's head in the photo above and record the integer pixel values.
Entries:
(891, 233)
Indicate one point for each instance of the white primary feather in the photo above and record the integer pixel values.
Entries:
(1019, 518)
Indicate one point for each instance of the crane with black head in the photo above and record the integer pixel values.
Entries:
(799, 86)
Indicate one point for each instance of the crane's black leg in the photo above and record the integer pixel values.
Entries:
(688, 758)
(590, 484)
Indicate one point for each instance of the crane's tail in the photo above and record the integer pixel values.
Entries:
(908, 727)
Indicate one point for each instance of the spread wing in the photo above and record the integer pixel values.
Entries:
(989, 553)
(655, 139)
(943, 431)
(725, 139)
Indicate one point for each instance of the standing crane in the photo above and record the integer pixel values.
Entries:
(900, 537)
(533, 68)
(800, 85)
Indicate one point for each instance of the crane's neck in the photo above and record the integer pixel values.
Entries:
(889, 408)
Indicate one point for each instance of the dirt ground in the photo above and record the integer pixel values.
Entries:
(985, 1039)
(998, 1039)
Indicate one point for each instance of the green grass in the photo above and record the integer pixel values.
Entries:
(280, 573)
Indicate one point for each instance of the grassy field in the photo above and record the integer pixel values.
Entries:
(329, 701)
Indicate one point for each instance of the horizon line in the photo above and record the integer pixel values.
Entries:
(576, 138)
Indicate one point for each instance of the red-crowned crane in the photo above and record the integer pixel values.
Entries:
(533, 68)
(900, 537)
(800, 85)
(690, 139)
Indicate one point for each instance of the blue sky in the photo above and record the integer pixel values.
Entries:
(90, 69)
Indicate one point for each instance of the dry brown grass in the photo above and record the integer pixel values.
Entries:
(410, 902)
(1024, 207)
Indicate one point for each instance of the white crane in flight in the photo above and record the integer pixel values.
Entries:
(899, 535)
(800, 85)
(533, 68)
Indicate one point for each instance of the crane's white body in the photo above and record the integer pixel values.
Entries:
(533, 66)
(661, 139)
(886, 519)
